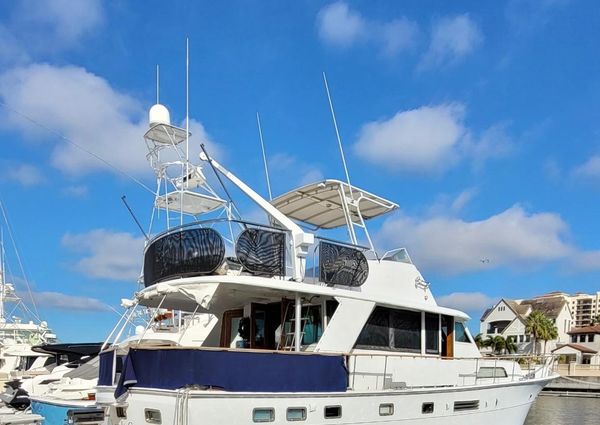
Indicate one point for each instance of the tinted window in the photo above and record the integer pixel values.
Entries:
(376, 332)
(391, 329)
(432, 329)
(460, 335)
(406, 327)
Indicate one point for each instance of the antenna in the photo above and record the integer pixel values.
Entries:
(262, 145)
(185, 184)
(337, 133)
(157, 84)
(2, 274)
(124, 199)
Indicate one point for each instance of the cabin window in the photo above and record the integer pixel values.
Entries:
(432, 333)
(386, 409)
(296, 414)
(460, 334)
(466, 405)
(312, 327)
(492, 372)
(152, 416)
(427, 408)
(263, 415)
(391, 329)
(333, 412)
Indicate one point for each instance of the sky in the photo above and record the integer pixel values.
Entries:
(480, 119)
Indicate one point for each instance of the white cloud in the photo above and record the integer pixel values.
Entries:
(340, 26)
(590, 168)
(23, 174)
(512, 238)
(452, 38)
(109, 255)
(586, 261)
(50, 25)
(85, 109)
(466, 301)
(449, 205)
(422, 139)
(429, 139)
(60, 301)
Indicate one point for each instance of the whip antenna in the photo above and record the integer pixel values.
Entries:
(337, 133)
(262, 145)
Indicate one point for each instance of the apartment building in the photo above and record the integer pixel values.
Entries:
(584, 307)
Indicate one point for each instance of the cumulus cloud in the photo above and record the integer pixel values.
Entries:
(512, 238)
(86, 110)
(21, 173)
(429, 139)
(60, 301)
(340, 26)
(589, 169)
(107, 255)
(452, 38)
(466, 301)
(419, 139)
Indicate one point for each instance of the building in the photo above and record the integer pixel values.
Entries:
(508, 319)
(583, 347)
(584, 307)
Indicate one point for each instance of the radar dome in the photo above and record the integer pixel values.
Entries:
(159, 114)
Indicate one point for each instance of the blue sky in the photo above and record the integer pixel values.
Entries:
(480, 119)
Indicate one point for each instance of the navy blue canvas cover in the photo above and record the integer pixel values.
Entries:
(235, 371)
(105, 368)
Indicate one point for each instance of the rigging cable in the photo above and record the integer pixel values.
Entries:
(77, 145)
(14, 244)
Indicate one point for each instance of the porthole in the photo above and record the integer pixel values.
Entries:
(427, 408)
(386, 409)
(152, 416)
(333, 412)
(263, 414)
(295, 414)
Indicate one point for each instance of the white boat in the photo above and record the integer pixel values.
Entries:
(17, 336)
(303, 328)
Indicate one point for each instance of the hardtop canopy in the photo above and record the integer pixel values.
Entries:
(323, 204)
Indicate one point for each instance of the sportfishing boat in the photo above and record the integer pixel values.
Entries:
(301, 327)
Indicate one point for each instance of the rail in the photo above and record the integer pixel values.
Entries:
(382, 371)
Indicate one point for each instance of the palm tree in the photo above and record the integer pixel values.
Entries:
(479, 341)
(541, 328)
(596, 320)
(549, 333)
(511, 345)
(496, 343)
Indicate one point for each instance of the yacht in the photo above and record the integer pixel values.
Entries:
(299, 326)
(17, 336)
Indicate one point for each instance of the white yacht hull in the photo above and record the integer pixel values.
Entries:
(501, 404)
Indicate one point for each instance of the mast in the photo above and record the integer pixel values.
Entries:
(2, 281)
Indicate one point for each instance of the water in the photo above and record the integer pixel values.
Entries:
(549, 410)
